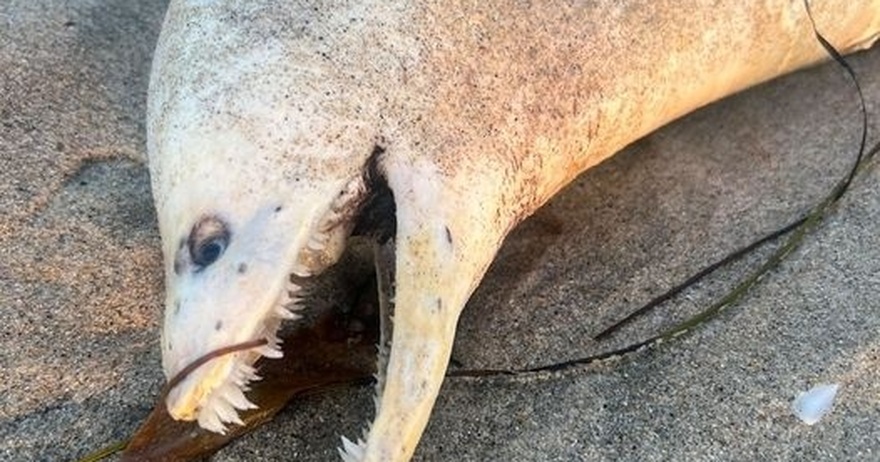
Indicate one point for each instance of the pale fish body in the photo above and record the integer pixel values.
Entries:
(273, 124)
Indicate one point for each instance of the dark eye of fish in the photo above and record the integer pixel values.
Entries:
(207, 241)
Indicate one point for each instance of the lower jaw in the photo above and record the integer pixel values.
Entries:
(334, 347)
(340, 306)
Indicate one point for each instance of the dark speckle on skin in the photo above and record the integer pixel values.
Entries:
(178, 262)
(218, 326)
(439, 304)
(242, 268)
(448, 234)
(278, 209)
(176, 307)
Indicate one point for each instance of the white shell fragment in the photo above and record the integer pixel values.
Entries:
(812, 405)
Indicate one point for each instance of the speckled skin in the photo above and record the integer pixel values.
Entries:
(261, 112)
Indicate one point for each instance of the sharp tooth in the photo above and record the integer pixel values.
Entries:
(346, 457)
(240, 377)
(270, 326)
(209, 421)
(225, 411)
(248, 372)
(270, 352)
(354, 451)
(284, 312)
(236, 398)
(301, 270)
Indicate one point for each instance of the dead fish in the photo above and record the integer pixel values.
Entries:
(276, 130)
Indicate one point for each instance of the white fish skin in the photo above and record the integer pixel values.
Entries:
(264, 115)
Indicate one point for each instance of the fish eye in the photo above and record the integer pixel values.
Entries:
(207, 241)
(209, 252)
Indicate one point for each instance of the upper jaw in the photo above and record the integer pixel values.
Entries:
(219, 306)
(213, 392)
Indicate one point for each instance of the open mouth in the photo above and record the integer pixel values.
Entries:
(365, 209)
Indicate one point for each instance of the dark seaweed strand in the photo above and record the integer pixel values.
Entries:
(698, 276)
(112, 449)
(737, 254)
(799, 229)
(105, 452)
(186, 371)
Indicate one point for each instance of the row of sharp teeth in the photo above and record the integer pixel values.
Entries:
(286, 309)
(327, 229)
(330, 231)
(223, 403)
(351, 451)
(317, 243)
(354, 452)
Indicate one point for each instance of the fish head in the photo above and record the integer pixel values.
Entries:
(239, 237)
(256, 186)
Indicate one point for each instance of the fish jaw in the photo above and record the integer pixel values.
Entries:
(443, 245)
(213, 186)
(243, 296)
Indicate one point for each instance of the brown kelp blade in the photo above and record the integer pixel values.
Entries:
(336, 350)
